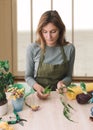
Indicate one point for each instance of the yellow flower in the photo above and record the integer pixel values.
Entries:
(16, 92)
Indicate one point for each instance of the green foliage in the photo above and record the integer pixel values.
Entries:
(2, 96)
(47, 90)
(6, 78)
(71, 85)
(67, 109)
(83, 87)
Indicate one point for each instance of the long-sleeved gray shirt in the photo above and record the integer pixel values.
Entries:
(53, 56)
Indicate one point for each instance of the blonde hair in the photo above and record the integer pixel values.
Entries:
(54, 18)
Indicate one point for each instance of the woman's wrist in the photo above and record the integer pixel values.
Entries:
(61, 87)
(40, 91)
(36, 86)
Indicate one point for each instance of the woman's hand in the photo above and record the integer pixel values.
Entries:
(42, 96)
(61, 88)
(40, 91)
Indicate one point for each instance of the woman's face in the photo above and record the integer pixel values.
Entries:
(50, 34)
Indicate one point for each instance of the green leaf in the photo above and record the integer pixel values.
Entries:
(69, 90)
(83, 87)
(4, 65)
(71, 85)
(66, 114)
(66, 109)
(47, 90)
(70, 106)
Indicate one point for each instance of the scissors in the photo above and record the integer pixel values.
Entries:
(18, 120)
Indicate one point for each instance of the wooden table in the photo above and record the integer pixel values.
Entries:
(50, 115)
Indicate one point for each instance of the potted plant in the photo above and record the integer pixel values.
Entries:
(6, 78)
(17, 95)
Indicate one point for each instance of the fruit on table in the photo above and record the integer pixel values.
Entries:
(35, 108)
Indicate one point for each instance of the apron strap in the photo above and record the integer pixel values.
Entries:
(63, 54)
(41, 58)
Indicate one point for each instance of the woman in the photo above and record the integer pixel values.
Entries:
(50, 60)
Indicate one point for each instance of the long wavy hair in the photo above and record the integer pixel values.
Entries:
(53, 17)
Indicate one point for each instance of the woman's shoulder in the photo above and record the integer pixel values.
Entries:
(70, 46)
(69, 49)
(33, 46)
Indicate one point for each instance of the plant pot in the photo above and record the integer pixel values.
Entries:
(3, 109)
(18, 104)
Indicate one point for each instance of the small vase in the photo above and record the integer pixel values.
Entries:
(18, 104)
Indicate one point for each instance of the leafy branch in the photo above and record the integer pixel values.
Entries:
(67, 107)
(67, 110)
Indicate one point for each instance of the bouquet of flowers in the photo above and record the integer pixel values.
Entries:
(16, 90)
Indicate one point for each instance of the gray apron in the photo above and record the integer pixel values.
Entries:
(48, 74)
